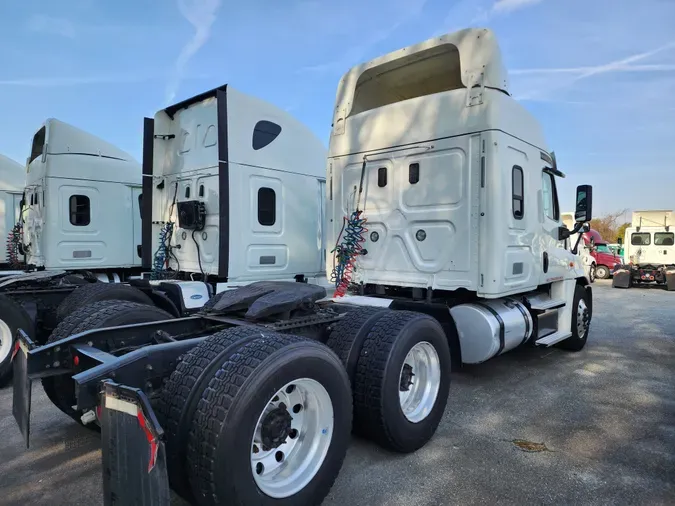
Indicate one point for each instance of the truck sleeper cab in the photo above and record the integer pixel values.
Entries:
(649, 251)
(12, 179)
(448, 248)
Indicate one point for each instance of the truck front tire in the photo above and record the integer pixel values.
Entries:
(582, 312)
(602, 272)
(280, 403)
(402, 381)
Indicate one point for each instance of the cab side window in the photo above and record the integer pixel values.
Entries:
(550, 197)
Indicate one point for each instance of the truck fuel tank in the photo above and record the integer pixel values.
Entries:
(488, 328)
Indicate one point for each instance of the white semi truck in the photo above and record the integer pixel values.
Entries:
(444, 245)
(12, 179)
(79, 223)
(82, 207)
(649, 251)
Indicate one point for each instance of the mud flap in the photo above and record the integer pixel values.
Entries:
(622, 278)
(134, 456)
(670, 280)
(22, 389)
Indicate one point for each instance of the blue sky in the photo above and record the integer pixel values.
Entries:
(599, 74)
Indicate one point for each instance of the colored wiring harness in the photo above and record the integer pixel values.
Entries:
(348, 251)
(13, 245)
(160, 260)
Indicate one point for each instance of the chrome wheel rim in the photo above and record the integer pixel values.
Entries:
(582, 319)
(292, 438)
(5, 341)
(419, 382)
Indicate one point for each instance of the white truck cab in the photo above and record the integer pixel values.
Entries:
(446, 246)
(649, 250)
(12, 180)
(237, 189)
(81, 202)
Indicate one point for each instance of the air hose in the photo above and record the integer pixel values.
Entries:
(161, 257)
(13, 245)
(347, 252)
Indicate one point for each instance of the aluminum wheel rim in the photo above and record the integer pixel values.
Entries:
(419, 382)
(285, 470)
(582, 318)
(5, 341)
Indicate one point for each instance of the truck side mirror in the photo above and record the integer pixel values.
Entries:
(584, 210)
(619, 241)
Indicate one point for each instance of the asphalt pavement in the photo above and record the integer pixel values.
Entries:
(535, 426)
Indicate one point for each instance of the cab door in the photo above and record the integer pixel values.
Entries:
(554, 257)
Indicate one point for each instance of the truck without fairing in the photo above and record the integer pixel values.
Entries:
(444, 245)
(649, 251)
(12, 178)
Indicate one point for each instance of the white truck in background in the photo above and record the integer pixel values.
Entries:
(649, 251)
(445, 246)
(83, 204)
(80, 223)
(12, 180)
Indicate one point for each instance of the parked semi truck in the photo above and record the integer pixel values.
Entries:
(649, 251)
(79, 224)
(12, 179)
(443, 242)
(82, 209)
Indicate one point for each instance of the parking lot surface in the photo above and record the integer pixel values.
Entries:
(536, 426)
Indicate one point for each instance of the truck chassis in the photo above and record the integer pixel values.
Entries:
(282, 354)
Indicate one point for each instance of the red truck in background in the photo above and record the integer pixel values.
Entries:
(605, 259)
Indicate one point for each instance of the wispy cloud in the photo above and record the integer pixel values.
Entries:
(624, 65)
(201, 14)
(366, 40)
(504, 6)
(72, 81)
(661, 67)
(52, 25)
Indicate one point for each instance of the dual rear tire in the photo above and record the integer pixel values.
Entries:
(399, 366)
(256, 418)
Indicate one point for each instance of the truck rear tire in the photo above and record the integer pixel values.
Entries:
(348, 334)
(96, 292)
(582, 312)
(279, 403)
(61, 389)
(602, 272)
(183, 390)
(402, 381)
(12, 318)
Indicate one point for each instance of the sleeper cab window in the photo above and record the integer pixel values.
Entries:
(664, 238)
(267, 206)
(641, 239)
(264, 133)
(80, 210)
(518, 193)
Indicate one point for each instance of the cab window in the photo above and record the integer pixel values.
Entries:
(664, 238)
(550, 197)
(641, 239)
